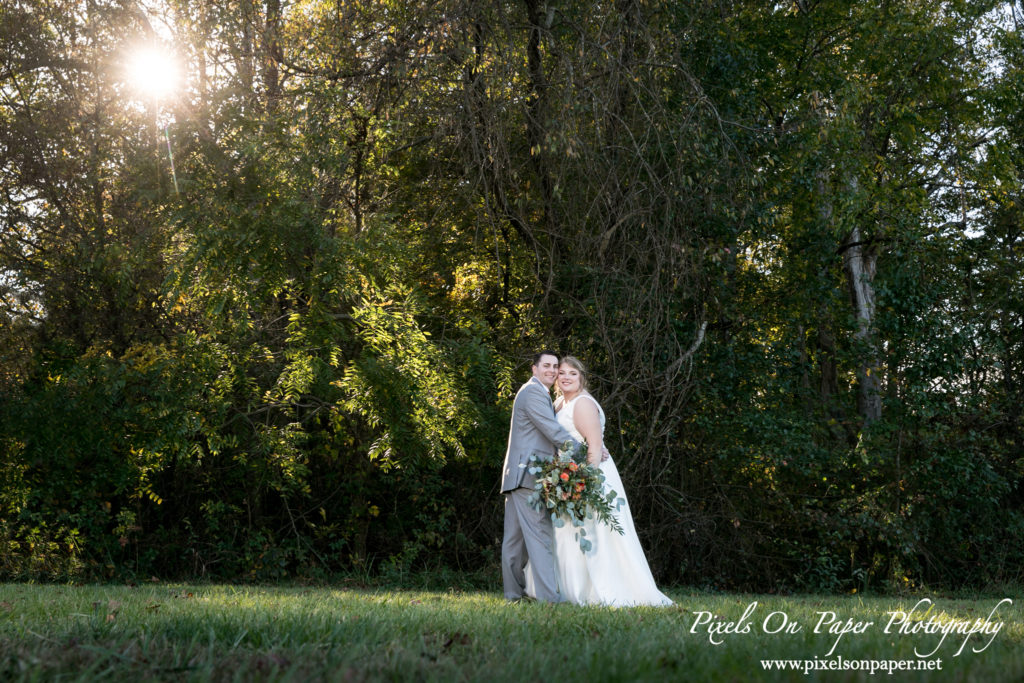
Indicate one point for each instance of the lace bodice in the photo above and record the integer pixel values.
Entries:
(565, 415)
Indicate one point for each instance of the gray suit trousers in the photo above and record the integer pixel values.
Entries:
(528, 536)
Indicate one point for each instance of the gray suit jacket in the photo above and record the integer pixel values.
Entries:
(534, 431)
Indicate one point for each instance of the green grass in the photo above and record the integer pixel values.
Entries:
(228, 633)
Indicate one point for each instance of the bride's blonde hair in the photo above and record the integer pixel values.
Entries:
(575, 363)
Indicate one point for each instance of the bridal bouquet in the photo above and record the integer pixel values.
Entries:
(572, 489)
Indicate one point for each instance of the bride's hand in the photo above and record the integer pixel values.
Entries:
(595, 458)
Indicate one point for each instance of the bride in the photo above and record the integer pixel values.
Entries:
(614, 571)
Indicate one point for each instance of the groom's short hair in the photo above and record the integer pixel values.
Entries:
(545, 352)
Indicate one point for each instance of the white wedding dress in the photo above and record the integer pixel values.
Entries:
(614, 571)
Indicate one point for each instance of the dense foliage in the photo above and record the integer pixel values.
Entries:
(269, 325)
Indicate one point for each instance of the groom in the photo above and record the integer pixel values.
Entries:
(528, 532)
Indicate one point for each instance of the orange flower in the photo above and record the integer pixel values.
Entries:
(580, 486)
(573, 466)
(564, 476)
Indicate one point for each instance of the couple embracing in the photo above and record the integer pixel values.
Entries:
(538, 559)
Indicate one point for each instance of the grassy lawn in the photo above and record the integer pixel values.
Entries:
(227, 633)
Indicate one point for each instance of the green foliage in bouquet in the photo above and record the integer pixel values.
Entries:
(572, 489)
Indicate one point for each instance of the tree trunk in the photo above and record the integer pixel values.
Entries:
(826, 342)
(829, 385)
(271, 54)
(859, 265)
(539, 20)
(245, 61)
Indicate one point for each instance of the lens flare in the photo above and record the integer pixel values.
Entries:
(154, 72)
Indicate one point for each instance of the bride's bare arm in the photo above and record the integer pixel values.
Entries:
(588, 423)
